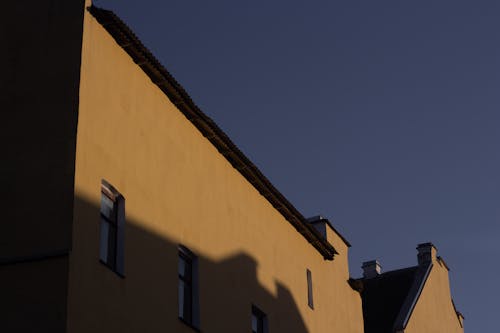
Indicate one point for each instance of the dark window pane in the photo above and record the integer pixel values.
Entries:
(181, 299)
(185, 294)
(112, 246)
(260, 325)
(108, 207)
(182, 265)
(254, 323)
(103, 244)
(188, 309)
(258, 320)
(310, 301)
(112, 228)
(185, 301)
(185, 267)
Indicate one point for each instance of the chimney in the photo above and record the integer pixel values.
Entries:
(426, 253)
(319, 223)
(328, 232)
(371, 269)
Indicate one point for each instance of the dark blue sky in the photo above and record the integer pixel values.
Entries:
(381, 115)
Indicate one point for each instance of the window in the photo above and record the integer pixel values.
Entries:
(112, 228)
(259, 321)
(188, 287)
(310, 301)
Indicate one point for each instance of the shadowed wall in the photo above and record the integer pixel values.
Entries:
(40, 69)
(146, 298)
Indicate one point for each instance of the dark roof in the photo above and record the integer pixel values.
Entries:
(124, 36)
(389, 299)
(383, 296)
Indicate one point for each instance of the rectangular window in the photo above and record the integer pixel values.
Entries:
(111, 243)
(310, 301)
(259, 321)
(188, 287)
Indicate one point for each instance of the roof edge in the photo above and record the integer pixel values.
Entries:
(129, 42)
(460, 316)
(346, 242)
(411, 299)
(441, 261)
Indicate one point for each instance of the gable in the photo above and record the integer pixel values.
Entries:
(434, 310)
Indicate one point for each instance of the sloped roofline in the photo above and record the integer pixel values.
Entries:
(411, 300)
(458, 313)
(129, 42)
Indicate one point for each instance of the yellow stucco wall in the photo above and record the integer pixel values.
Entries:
(180, 189)
(434, 311)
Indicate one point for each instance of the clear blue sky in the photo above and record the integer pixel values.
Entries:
(381, 115)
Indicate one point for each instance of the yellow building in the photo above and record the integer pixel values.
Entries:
(410, 300)
(130, 211)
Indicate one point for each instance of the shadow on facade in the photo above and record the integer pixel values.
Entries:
(146, 298)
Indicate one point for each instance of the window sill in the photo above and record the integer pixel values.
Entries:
(112, 269)
(189, 324)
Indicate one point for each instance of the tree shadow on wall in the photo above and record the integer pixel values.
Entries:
(146, 299)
